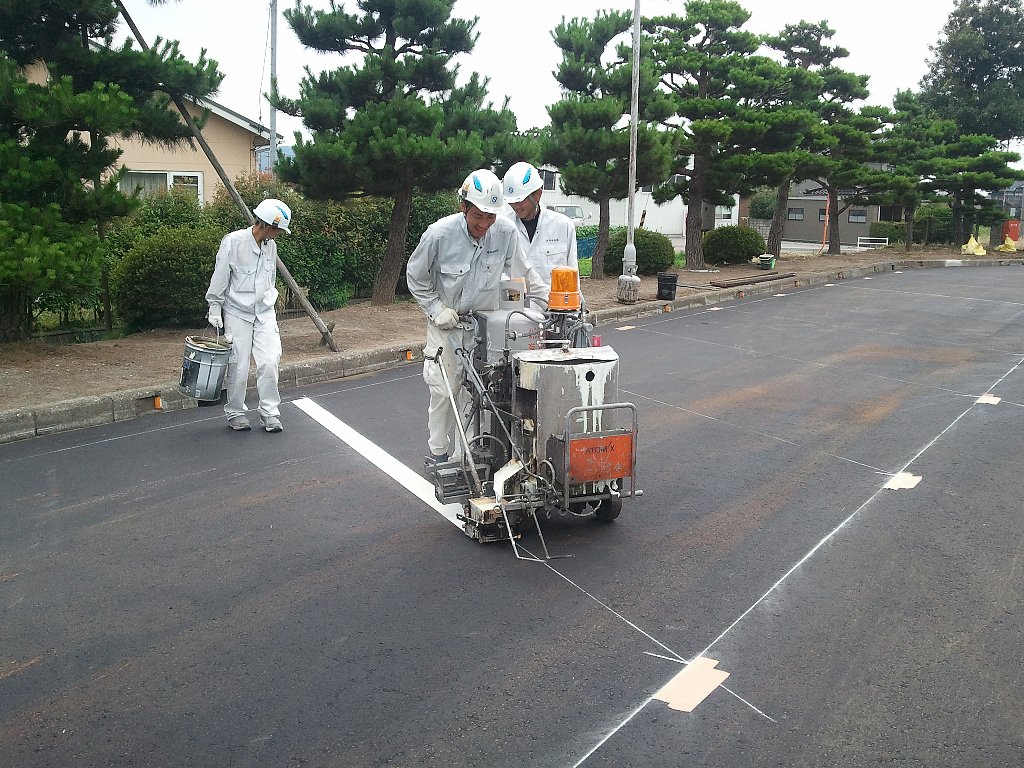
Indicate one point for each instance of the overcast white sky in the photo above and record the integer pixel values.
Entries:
(887, 39)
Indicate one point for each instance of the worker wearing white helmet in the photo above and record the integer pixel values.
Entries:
(242, 297)
(455, 270)
(548, 237)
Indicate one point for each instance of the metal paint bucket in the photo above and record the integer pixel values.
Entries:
(204, 367)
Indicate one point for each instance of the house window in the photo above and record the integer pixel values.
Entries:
(152, 182)
(647, 188)
(858, 216)
(822, 214)
(723, 211)
(795, 214)
(549, 180)
(890, 213)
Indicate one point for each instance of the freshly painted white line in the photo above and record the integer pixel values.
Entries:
(625, 328)
(830, 285)
(988, 399)
(714, 309)
(902, 481)
(380, 458)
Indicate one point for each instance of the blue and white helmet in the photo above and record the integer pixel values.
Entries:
(275, 213)
(483, 189)
(521, 180)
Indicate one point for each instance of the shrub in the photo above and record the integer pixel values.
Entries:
(732, 245)
(162, 280)
(654, 251)
(762, 203)
(933, 223)
(891, 229)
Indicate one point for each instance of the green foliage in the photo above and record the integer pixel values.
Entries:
(585, 267)
(894, 230)
(654, 251)
(392, 120)
(732, 245)
(162, 280)
(933, 223)
(762, 203)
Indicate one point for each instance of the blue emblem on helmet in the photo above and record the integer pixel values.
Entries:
(529, 172)
(477, 184)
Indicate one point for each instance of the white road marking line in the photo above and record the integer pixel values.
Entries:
(380, 458)
(625, 328)
(902, 481)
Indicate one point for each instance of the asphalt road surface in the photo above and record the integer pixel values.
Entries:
(832, 514)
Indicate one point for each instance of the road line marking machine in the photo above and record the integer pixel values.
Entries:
(541, 431)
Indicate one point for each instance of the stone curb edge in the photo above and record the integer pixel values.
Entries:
(20, 424)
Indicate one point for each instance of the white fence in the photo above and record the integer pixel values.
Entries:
(867, 243)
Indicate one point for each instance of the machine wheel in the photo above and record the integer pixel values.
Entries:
(608, 509)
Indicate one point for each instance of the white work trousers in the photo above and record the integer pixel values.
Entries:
(262, 341)
(441, 423)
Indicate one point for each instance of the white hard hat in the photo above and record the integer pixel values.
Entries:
(521, 180)
(482, 189)
(275, 213)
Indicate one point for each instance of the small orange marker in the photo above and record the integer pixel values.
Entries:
(408, 354)
(158, 403)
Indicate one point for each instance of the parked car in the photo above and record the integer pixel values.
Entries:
(574, 212)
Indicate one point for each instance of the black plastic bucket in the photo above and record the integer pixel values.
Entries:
(667, 285)
(204, 366)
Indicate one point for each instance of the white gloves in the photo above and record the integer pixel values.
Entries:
(215, 318)
(446, 319)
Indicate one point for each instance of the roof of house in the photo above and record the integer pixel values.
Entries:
(238, 119)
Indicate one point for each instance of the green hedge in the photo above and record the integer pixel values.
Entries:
(732, 245)
(934, 221)
(162, 280)
(654, 251)
(891, 229)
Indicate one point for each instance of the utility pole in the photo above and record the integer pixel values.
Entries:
(273, 83)
(628, 289)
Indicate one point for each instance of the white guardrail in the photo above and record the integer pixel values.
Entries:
(867, 243)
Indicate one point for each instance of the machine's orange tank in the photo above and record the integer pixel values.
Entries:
(565, 290)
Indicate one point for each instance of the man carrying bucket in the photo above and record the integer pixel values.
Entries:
(242, 296)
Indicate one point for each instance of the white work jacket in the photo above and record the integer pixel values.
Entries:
(553, 245)
(243, 277)
(451, 269)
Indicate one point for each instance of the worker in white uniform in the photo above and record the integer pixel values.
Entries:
(456, 269)
(548, 237)
(242, 297)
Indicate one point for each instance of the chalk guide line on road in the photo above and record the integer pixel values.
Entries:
(688, 689)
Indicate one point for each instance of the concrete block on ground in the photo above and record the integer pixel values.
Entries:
(74, 414)
(17, 425)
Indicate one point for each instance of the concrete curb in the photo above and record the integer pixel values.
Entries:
(92, 411)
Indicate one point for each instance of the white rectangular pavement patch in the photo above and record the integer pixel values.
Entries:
(380, 458)
(691, 686)
(902, 481)
(988, 399)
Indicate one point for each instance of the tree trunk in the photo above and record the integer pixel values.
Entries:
(908, 227)
(779, 218)
(834, 246)
(695, 213)
(603, 223)
(15, 316)
(958, 224)
(995, 234)
(391, 268)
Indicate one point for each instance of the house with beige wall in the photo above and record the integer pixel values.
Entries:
(234, 139)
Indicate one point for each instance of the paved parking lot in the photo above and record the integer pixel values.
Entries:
(831, 519)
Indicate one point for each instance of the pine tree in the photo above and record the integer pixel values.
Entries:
(57, 135)
(733, 110)
(394, 122)
(589, 139)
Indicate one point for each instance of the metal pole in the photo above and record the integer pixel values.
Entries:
(273, 83)
(179, 102)
(629, 284)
